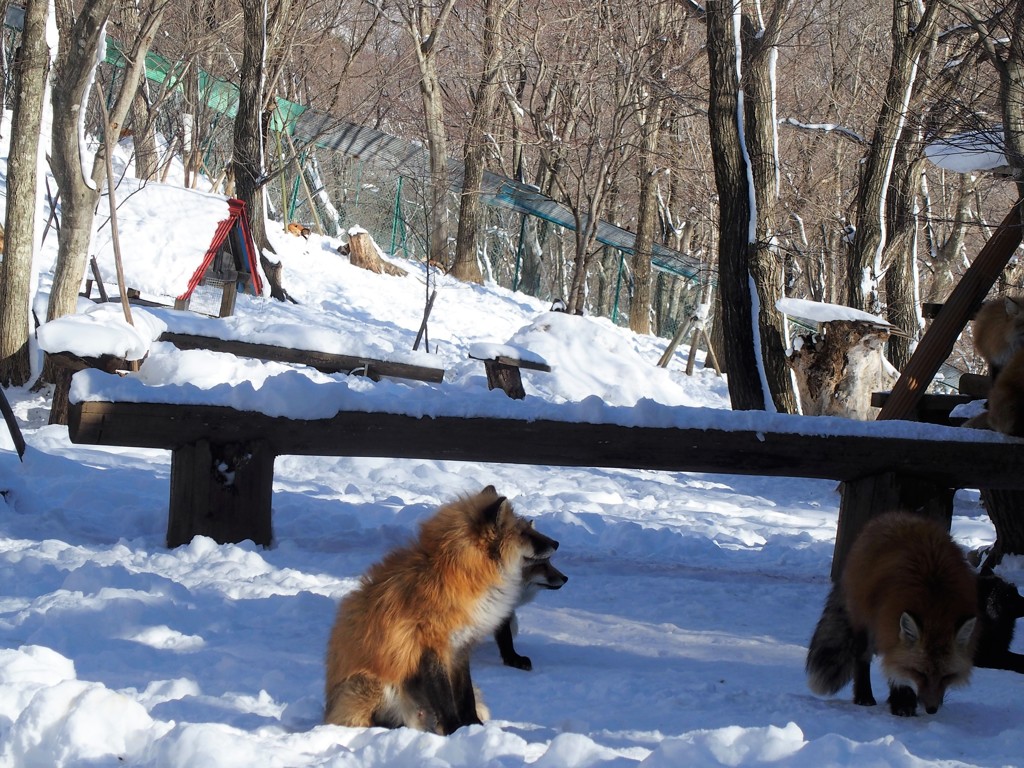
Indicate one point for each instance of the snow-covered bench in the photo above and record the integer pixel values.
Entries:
(222, 464)
(100, 338)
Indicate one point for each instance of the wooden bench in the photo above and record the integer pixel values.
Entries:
(67, 363)
(883, 471)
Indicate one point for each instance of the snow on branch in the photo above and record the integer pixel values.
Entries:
(825, 128)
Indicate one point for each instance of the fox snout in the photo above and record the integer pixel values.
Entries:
(546, 576)
(542, 546)
(931, 696)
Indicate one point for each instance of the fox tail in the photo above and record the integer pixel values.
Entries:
(831, 657)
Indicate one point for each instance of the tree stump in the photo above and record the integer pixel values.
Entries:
(838, 370)
(363, 252)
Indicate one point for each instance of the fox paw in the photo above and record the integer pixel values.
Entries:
(519, 662)
(903, 701)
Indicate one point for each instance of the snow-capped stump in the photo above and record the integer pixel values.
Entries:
(838, 368)
(363, 252)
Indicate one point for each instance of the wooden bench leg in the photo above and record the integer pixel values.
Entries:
(222, 491)
(506, 378)
(889, 492)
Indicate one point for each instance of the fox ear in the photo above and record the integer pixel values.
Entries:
(492, 511)
(909, 632)
(963, 635)
(1012, 307)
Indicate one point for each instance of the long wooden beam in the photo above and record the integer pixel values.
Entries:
(323, 361)
(984, 464)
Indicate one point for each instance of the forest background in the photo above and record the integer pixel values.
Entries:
(777, 147)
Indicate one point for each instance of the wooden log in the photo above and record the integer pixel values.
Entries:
(931, 408)
(66, 364)
(323, 361)
(837, 370)
(503, 373)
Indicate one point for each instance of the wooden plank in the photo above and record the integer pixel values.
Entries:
(515, 362)
(322, 361)
(975, 384)
(228, 506)
(937, 343)
(928, 402)
(994, 464)
(932, 408)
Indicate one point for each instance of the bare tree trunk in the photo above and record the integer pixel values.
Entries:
(471, 212)
(72, 78)
(247, 162)
(649, 114)
(766, 265)
(900, 296)
(641, 302)
(735, 305)
(141, 31)
(31, 68)
(424, 30)
(912, 34)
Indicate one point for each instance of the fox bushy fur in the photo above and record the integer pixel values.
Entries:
(1006, 398)
(399, 649)
(908, 595)
(998, 331)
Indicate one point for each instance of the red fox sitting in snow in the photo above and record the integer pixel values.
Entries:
(907, 594)
(399, 649)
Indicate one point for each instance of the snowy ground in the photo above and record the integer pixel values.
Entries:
(679, 639)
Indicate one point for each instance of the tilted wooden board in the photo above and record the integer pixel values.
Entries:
(322, 361)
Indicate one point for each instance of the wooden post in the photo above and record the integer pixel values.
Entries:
(222, 491)
(227, 299)
(680, 334)
(506, 378)
(888, 492)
